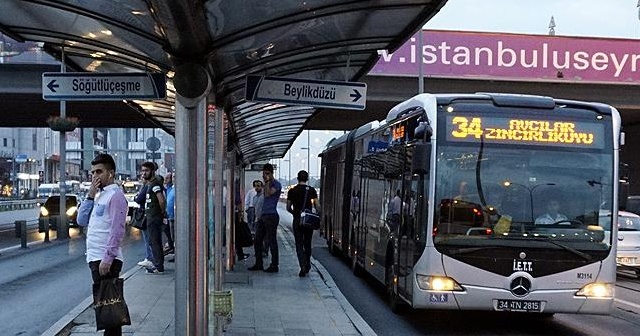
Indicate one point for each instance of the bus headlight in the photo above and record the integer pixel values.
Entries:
(72, 210)
(437, 283)
(597, 290)
(44, 212)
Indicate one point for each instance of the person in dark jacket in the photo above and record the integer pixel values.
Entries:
(299, 198)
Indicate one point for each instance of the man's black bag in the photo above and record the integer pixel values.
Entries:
(310, 220)
(138, 219)
(243, 234)
(109, 305)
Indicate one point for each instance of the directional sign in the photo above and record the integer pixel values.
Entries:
(308, 92)
(21, 158)
(103, 86)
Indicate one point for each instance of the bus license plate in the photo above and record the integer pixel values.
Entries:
(519, 306)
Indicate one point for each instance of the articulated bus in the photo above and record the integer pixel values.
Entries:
(445, 203)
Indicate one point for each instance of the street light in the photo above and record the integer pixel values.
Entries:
(308, 148)
(508, 183)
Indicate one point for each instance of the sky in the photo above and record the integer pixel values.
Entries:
(595, 18)
(601, 18)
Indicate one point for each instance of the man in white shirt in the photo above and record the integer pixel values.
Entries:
(249, 204)
(104, 211)
(552, 216)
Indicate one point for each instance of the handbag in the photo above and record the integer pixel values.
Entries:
(109, 305)
(308, 218)
(138, 219)
(243, 234)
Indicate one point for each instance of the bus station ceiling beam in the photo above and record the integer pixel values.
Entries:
(326, 40)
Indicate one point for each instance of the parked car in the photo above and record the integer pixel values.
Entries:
(51, 208)
(628, 256)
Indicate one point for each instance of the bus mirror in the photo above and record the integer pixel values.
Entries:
(421, 159)
(423, 132)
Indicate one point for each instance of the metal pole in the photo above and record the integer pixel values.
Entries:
(308, 152)
(201, 238)
(191, 307)
(420, 61)
(63, 228)
(229, 211)
(23, 233)
(289, 167)
(218, 178)
(185, 307)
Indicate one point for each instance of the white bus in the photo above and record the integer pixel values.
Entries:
(451, 203)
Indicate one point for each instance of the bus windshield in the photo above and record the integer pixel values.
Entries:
(521, 195)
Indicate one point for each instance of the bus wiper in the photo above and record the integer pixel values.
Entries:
(585, 256)
(469, 250)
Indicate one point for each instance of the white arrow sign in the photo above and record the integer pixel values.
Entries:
(307, 92)
(103, 86)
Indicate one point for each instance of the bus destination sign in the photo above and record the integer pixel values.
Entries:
(525, 131)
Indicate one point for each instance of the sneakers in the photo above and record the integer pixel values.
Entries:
(243, 257)
(271, 269)
(170, 257)
(154, 270)
(255, 268)
(145, 263)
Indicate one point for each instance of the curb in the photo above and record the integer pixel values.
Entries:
(358, 322)
(62, 323)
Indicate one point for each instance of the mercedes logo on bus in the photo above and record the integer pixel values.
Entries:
(520, 286)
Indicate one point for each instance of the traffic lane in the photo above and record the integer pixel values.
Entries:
(43, 285)
(8, 218)
(368, 298)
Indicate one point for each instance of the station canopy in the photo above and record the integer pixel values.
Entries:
(326, 40)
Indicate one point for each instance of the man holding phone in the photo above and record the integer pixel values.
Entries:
(104, 211)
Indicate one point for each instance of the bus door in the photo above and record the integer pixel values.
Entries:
(359, 228)
(407, 232)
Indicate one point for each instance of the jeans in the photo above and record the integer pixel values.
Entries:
(147, 246)
(302, 238)
(154, 226)
(114, 272)
(172, 229)
(267, 231)
(167, 232)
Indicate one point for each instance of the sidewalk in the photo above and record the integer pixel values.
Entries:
(263, 303)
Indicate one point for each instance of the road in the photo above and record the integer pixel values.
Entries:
(367, 297)
(41, 284)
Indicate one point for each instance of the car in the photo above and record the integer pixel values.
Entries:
(51, 208)
(628, 256)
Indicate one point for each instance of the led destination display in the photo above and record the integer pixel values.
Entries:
(525, 131)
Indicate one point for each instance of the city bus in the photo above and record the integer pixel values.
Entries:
(451, 194)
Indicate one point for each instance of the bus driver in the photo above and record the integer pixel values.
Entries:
(552, 216)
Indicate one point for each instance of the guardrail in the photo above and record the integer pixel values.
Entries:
(19, 204)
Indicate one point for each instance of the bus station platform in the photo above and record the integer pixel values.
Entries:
(263, 303)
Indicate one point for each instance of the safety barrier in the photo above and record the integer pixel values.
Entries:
(19, 204)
